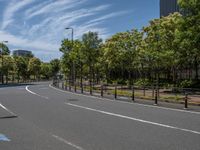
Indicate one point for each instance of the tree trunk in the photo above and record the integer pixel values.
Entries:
(2, 79)
(90, 80)
(81, 73)
(130, 79)
(6, 78)
(174, 76)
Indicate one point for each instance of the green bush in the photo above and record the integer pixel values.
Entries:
(121, 82)
(185, 83)
(142, 82)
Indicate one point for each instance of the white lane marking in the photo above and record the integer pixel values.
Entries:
(67, 142)
(35, 93)
(2, 106)
(150, 106)
(134, 119)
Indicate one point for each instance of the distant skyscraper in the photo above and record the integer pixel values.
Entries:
(168, 6)
(22, 53)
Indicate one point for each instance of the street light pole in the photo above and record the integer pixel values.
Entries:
(2, 45)
(73, 67)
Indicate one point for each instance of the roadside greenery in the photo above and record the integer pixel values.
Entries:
(21, 69)
(168, 50)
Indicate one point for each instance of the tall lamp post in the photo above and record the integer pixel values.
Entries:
(2, 45)
(73, 67)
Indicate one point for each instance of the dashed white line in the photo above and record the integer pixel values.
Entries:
(134, 119)
(35, 93)
(67, 142)
(150, 106)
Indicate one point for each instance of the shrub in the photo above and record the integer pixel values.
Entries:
(185, 83)
(142, 82)
(121, 82)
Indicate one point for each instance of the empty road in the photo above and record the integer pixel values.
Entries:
(51, 119)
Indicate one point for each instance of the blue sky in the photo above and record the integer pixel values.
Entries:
(38, 25)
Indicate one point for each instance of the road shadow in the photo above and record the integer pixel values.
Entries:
(8, 117)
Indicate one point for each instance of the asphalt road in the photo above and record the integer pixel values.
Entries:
(51, 119)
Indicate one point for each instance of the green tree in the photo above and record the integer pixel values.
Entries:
(159, 50)
(7, 67)
(21, 67)
(91, 52)
(120, 52)
(34, 67)
(188, 34)
(55, 66)
(5, 49)
(46, 70)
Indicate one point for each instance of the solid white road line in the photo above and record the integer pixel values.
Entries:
(150, 106)
(134, 119)
(35, 93)
(67, 142)
(2, 106)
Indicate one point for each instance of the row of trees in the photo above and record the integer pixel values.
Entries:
(23, 68)
(167, 49)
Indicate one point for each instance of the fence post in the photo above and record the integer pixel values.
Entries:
(144, 91)
(186, 100)
(90, 88)
(101, 90)
(115, 91)
(156, 94)
(69, 84)
(75, 87)
(81, 87)
(133, 93)
(156, 97)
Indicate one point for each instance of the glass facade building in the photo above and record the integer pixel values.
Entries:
(22, 53)
(168, 6)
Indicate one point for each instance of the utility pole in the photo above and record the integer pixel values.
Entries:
(73, 65)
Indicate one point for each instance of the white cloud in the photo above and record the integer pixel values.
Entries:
(23, 43)
(10, 11)
(55, 7)
(52, 27)
(44, 35)
(107, 16)
(36, 7)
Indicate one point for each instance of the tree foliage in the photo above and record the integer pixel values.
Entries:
(169, 47)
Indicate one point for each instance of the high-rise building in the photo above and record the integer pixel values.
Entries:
(22, 53)
(168, 6)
